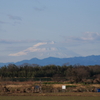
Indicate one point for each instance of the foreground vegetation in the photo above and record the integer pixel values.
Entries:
(48, 80)
(47, 88)
(49, 98)
(71, 74)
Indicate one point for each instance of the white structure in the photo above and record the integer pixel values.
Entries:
(63, 86)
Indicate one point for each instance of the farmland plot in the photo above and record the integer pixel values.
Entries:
(48, 98)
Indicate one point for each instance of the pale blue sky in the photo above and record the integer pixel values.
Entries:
(43, 28)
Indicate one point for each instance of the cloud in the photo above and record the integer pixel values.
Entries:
(14, 17)
(87, 37)
(34, 48)
(40, 6)
(39, 9)
(18, 54)
(6, 41)
(2, 22)
(38, 44)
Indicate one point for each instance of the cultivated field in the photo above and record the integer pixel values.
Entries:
(50, 91)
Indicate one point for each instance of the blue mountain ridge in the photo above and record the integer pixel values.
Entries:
(88, 60)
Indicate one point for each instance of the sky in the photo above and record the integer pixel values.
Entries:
(45, 28)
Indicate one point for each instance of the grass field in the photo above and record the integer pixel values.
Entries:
(48, 98)
(53, 96)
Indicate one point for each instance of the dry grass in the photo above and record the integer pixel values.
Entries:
(71, 88)
(96, 85)
(17, 86)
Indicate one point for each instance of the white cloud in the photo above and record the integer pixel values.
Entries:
(38, 44)
(19, 53)
(87, 37)
(34, 48)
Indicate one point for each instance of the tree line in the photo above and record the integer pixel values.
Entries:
(72, 73)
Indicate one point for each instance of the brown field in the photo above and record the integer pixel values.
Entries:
(27, 89)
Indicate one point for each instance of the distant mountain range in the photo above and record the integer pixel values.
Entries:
(89, 60)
